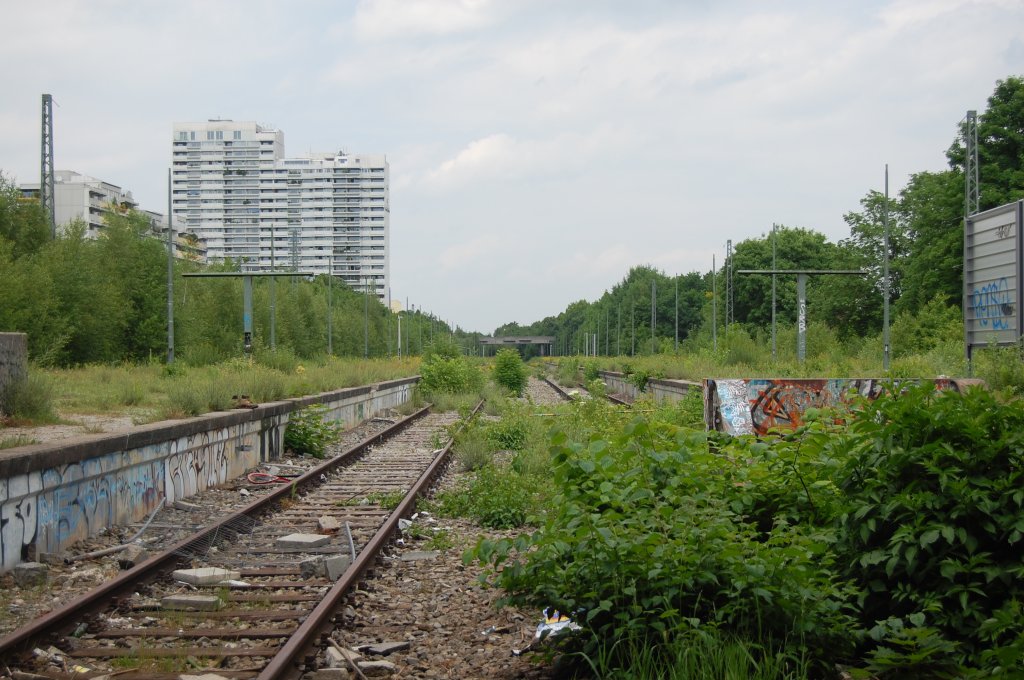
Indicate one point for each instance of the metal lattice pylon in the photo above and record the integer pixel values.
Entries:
(972, 200)
(46, 172)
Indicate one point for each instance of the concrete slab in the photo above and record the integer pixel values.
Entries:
(186, 602)
(205, 576)
(385, 648)
(377, 669)
(312, 567)
(417, 555)
(328, 525)
(302, 541)
(336, 566)
(29, 574)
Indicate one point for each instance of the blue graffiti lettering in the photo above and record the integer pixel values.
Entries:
(992, 304)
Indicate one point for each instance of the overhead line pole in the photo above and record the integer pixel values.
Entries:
(774, 266)
(654, 313)
(885, 277)
(714, 304)
(170, 273)
(801, 294)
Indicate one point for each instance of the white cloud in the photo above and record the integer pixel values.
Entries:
(501, 156)
(388, 19)
(468, 254)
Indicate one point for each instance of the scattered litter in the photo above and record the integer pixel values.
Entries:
(244, 492)
(404, 524)
(265, 478)
(495, 629)
(554, 623)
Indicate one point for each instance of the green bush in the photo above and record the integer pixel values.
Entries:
(449, 375)
(510, 371)
(934, 522)
(510, 433)
(643, 531)
(496, 497)
(308, 433)
(30, 400)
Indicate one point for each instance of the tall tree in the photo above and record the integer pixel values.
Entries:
(931, 210)
(796, 248)
(22, 221)
(854, 304)
(1000, 146)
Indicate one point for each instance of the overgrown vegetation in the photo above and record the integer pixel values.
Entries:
(309, 434)
(28, 401)
(886, 543)
(510, 371)
(445, 370)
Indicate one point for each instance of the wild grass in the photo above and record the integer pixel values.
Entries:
(153, 391)
(695, 655)
(30, 400)
(16, 441)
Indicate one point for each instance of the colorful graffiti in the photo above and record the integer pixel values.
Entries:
(993, 305)
(760, 406)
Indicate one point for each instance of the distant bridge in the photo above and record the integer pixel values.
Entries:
(545, 342)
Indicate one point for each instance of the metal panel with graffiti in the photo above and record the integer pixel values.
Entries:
(992, 277)
(758, 406)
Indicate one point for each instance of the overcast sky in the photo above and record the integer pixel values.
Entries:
(538, 148)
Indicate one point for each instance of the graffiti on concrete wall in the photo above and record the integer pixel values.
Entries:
(759, 406)
(206, 459)
(52, 508)
(18, 517)
(48, 510)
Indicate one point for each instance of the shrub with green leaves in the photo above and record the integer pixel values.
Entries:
(496, 497)
(934, 523)
(510, 371)
(449, 375)
(642, 532)
(309, 434)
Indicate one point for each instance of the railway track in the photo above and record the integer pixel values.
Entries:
(254, 595)
(566, 397)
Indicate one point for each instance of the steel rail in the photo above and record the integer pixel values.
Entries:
(67, 616)
(319, 622)
(558, 390)
(565, 395)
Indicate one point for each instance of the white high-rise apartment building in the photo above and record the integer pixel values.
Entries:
(233, 187)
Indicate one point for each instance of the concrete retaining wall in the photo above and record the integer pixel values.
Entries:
(660, 389)
(52, 495)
